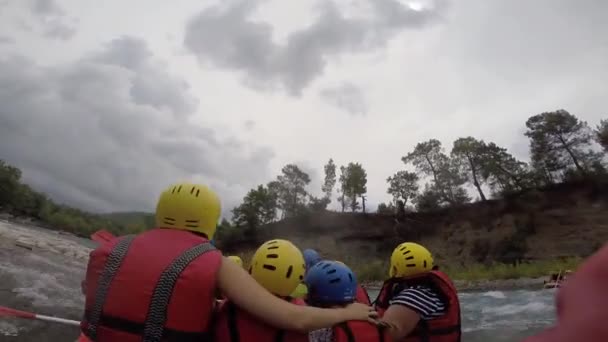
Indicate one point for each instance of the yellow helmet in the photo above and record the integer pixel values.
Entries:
(189, 207)
(410, 259)
(278, 265)
(236, 259)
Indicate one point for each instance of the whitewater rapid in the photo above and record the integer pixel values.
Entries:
(47, 279)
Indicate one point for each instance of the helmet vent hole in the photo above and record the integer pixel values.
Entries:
(272, 256)
(410, 265)
(409, 258)
(406, 252)
(402, 248)
(335, 280)
(269, 267)
(173, 190)
(179, 188)
(198, 192)
(424, 263)
(192, 223)
(272, 242)
(289, 271)
(301, 277)
(350, 277)
(331, 271)
(192, 190)
(273, 247)
(326, 266)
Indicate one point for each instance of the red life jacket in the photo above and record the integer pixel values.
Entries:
(445, 328)
(236, 325)
(156, 286)
(360, 331)
(362, 296)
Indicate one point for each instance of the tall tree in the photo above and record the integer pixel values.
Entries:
(430, 199)
(426, 158)
(9, 183)
(330, 178)
(343, 187)
(403, 185)
(559, 139)
(290, 188)
(258, 208)
(503, 171)
(429, 159)
(353, 181)
(384, 209)
(602, 134)
(318, 204)
(468, 154)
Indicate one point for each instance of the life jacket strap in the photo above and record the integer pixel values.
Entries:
(136, 328)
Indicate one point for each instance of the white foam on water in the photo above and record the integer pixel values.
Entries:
(495, 294)
(42, 289)
(8, 329)
(512, 309)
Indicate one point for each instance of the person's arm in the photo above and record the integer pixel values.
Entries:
(408, 308)
(401, 321)
(239, 287)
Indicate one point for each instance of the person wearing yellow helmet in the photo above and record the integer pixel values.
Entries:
(160, 284)
(278, 266)
(418, 302)
(237, 259)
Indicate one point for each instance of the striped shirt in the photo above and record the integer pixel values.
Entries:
(321, 335)
(425, 301)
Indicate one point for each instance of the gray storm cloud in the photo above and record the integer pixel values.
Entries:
(109, 131)
(346, 96)
(225, 37)
(54, 21)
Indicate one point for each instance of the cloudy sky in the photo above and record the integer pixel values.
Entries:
(102, 106)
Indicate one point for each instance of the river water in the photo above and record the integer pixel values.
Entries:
(47, 281)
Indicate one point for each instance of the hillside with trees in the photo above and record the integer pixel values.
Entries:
(434, 181)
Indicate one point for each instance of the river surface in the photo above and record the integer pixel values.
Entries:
(47, 281)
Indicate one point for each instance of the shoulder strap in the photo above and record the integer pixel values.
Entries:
(233, 328)
(154, 325)
(347, 331)
(280, 336)
(113, 263)
(381, 332)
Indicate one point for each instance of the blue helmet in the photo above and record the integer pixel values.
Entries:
(311, 257)
(330, 282)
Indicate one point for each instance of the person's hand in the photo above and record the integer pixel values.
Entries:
(361, 312)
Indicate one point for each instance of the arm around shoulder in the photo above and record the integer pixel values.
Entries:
(246, 293)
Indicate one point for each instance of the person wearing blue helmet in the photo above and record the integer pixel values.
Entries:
(311, 257)
(332, 284)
